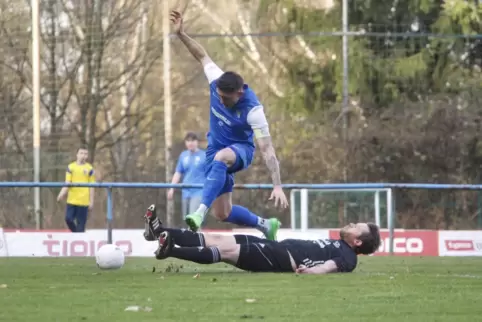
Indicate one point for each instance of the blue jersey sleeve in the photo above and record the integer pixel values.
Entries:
(180, 166)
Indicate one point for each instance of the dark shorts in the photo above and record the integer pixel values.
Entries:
(76, 217)
(261, 255)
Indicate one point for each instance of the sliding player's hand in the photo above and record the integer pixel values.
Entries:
(176, 20)
(279, 197)
(302, 269)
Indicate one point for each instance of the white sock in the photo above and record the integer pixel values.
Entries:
(263, 225)
(203, 209)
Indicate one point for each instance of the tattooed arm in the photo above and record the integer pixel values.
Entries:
(269, 156)
(259, 124)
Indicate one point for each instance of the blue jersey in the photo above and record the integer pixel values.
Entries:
(229, 126)
(191, 166)
(237, 124)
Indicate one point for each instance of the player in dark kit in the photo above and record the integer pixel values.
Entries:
(255, 254)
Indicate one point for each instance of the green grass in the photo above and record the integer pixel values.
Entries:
(382, 289)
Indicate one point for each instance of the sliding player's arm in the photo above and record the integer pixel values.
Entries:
(259, 124)
(325, 268)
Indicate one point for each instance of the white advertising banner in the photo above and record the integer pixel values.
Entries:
(460, 243)
(3, 245)
(61, 244)
(66, 244)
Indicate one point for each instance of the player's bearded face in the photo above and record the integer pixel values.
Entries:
(343, 233)
(349, 232)
(229, 99)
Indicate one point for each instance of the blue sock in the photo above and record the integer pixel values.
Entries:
(214, 182)
(243, 217)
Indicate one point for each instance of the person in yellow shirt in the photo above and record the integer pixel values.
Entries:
(79, 199)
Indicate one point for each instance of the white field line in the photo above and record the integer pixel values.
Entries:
(436, 275)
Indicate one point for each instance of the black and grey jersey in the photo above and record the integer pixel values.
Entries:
(314, 252)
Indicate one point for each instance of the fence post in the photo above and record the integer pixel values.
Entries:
(391, 221)
(345, 89)
(109, 215)
(36, 107)
(479, 210)
(293, 208)
(304, 211)
(377, 208)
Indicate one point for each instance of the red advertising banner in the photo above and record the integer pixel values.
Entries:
(406, 242)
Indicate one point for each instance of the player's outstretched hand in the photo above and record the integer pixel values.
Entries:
(301, 269)
(176, 20)
(279, 197)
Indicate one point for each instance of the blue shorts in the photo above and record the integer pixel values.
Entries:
(244, 157)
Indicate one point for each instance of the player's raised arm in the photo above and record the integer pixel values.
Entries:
(211, 70)
(259, 124)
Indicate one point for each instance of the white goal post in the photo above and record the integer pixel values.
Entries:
(301, 204)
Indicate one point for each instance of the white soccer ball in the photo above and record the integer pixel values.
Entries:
(110, 256)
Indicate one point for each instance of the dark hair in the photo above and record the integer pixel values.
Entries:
(230, 82)
(370, 240)
(191, 136)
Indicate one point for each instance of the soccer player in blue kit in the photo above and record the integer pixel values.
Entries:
(236, 117)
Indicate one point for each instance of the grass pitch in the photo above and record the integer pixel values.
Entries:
(382, 289)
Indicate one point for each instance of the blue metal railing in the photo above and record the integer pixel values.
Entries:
(247, 186)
